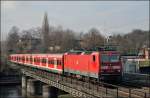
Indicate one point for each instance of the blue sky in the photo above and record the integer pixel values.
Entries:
(109, 17)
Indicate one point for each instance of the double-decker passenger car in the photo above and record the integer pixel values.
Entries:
(50, 62)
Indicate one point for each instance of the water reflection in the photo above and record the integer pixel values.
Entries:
(14, 91)
(10, 91)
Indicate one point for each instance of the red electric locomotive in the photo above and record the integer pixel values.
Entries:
(105, 65)
(82, 64)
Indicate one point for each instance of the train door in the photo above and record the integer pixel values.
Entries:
(95, 66)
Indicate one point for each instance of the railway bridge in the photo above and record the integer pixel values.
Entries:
(42, 82)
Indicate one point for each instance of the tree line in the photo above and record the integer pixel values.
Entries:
(48, 39)
(59, 40)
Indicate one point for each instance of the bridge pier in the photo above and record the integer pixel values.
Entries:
(24, 82)
(50, 91)
(24, 86)
(38, 87)
(30, 87)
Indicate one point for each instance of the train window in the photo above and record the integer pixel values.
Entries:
(23, 58)
(31, 59)
(49, 61)
(39, 60)
(94, 58)
(35, 60)
(43, 60)
(52, 61)
(58, 62)
(27, 59)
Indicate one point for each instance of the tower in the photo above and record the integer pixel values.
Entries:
(45, 33)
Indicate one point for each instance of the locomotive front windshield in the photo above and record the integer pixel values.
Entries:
(109, 58)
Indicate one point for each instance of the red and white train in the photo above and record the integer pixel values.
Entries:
(95, 64)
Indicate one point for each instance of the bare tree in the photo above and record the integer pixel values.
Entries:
(68, 40)
(92, 39)
(12, 40)
(132, 41)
